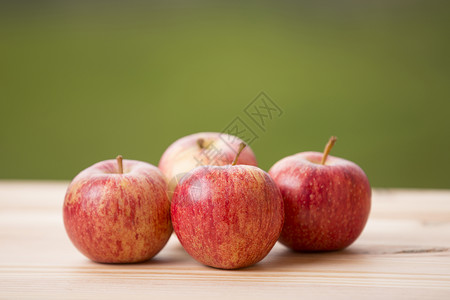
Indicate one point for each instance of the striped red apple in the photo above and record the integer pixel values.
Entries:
(326, 199)
(229, 216)
(118, 211)
(199, 149)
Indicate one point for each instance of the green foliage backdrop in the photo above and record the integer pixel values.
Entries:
(80, 83)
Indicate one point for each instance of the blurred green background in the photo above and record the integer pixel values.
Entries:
(82, 82)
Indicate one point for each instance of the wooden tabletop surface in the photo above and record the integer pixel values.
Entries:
(403, 253)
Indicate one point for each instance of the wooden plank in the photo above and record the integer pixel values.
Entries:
(403, 253)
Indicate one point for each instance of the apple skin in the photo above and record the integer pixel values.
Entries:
(326, 206)
(185, 154)
(118, 218)
(227, 217)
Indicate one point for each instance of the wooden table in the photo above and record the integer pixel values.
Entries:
(404, 252)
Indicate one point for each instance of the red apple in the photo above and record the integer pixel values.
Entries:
(227, 217)
(204, 148)
(116, 213)
(326, 200)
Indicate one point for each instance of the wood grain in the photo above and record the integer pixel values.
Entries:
(403, 253)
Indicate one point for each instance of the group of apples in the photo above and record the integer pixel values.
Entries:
(226, 212)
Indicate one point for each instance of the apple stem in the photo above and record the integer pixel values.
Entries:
(201, 143)
(241, 147)
(327, 150)
(119, 163)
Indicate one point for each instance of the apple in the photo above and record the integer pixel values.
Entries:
(204, 148)
(227, 217)
(118, 212)
(326, 200)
